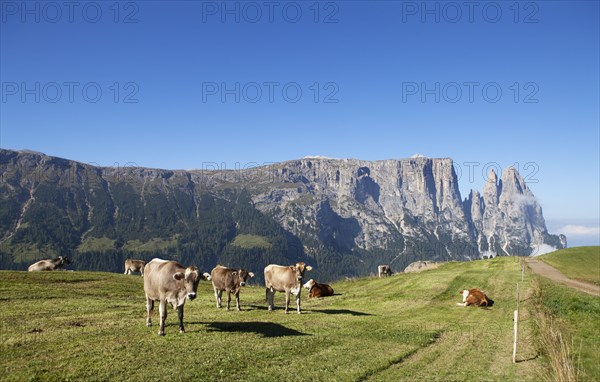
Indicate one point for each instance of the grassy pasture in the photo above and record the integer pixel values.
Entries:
(251, 241)
(581, 263)
(91, 326)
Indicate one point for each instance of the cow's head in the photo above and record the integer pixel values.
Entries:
(190, 279)
(309, 284)
(62, 260)
(242, 276)
(299, 269)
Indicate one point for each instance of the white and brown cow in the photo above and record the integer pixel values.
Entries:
(288, 279)
(474, 297)
(384, 270)
(318, 290)
(49, 265)
(169, 282)
(134, 266)
(230, 280)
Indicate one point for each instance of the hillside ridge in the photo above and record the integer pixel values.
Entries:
(343, 215)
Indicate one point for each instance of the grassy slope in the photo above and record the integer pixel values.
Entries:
(251, 241)
(582, 263)
(577, 315)
(408, 327)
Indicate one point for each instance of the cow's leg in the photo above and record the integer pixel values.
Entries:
(218, 297)
(180, 316)
(149, 309)
(228, 298)
(298, 302)
(287, 301)
(237, 300)
(270, 299)
(125, 271)
(162, 309)
(142, 271)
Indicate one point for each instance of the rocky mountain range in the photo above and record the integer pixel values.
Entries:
(344, 216)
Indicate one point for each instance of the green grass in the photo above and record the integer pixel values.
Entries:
(251, 241)
(155, 244)
(99, 244)
(91, 326)
(582, 263)
(577, 316)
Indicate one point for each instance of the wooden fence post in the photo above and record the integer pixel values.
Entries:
(516, 327)
(514, 359)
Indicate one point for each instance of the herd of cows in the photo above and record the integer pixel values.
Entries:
(169, 282)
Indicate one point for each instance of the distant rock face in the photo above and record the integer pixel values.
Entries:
(413, 205)
(419, 266)
(347, 213)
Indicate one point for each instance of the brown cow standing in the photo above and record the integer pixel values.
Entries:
(134, 266)
(230, 280)
(318, 290)
(474, 297)
(288, 279)
(169, 282)
(49, 265)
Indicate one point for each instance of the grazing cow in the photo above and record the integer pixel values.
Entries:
(384, 270)
(230, 280)
(318, 290)
(474, 297)
(288, 279)
(169, 282)
(134, 266)
(49, 265)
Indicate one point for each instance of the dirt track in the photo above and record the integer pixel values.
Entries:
(554, 274)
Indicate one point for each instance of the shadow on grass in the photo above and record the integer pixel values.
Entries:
(532, 358)
(340, 311)
(265, 329)
(260, 307)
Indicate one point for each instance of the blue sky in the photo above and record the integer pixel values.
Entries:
(181, 84)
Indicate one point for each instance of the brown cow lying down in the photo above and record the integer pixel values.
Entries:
(49, 265)
(318, 290)
(474, 297)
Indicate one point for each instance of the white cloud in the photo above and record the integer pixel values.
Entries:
(541, 249)
(579, 230)
(523, 200)
(316, 157)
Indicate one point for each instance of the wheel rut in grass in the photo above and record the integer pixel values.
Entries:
(395, 361)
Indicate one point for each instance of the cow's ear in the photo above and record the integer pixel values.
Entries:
(308, 268)
(179, 276)
(250, 274)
